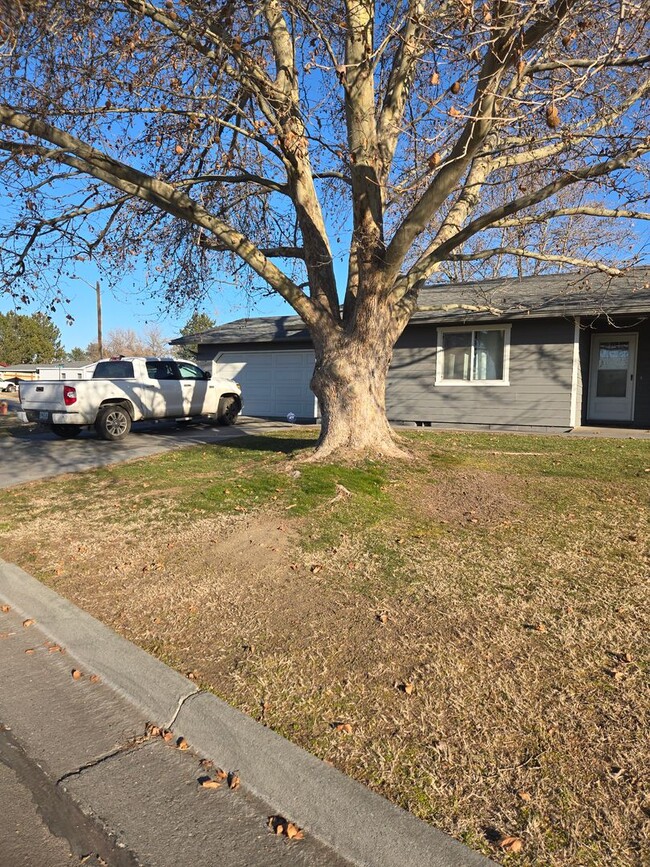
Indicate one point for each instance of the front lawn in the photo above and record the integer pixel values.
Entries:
(467, 634)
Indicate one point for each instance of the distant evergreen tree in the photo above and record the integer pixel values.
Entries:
(31, 339)
(197, 323)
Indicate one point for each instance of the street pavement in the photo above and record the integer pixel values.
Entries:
(25, 838)
(85, 771)
(109, 790)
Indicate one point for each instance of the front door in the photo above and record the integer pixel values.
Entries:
(612, 377)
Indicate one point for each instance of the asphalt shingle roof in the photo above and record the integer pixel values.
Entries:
(579, 293)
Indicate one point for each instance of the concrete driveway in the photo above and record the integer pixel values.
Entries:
(27, 455)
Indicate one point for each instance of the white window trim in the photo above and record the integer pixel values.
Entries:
(473, 383)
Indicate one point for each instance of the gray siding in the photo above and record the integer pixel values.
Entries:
(539, 394)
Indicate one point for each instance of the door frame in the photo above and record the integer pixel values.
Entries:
(632, 337)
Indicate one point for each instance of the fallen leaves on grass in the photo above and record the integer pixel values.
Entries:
(382, 617)
(344, 727)
(511, 844)
(524, 796)
(535, 627)
(282, 827)
(407, 687)
(316, 568)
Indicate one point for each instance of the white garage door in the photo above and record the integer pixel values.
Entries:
(272, 383)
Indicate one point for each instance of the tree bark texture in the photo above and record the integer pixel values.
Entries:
(350, 383)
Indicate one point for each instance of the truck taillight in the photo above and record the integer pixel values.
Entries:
(69, 395)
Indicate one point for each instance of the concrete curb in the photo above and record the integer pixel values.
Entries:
(359, 825)
(146, 682)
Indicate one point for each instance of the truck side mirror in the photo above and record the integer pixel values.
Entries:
(207, 374)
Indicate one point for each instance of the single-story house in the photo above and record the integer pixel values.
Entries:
(62, 370)
(544, 352)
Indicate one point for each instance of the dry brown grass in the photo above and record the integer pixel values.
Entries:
(509, 589)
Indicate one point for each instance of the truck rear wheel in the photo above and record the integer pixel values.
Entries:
(228, 410)
(113, 422)
(66, 431)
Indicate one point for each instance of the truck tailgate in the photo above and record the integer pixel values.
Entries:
(42, 395)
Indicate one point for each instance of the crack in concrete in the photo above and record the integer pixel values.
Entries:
(181, 703)
(85, 833)
(131, 744)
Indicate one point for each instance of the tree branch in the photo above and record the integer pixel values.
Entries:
(531, 254)
(80, 155)
(424, 265)
(582, 211)
(411, 49)
(501, 54)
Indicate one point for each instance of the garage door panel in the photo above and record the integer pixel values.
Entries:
(273, 383)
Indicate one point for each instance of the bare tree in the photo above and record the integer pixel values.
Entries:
(126, 341)
(277, 138)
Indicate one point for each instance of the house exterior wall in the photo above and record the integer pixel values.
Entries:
(540, 376)
(639, 325)
(539, 393)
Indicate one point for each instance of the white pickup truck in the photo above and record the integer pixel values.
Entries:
(123, 390)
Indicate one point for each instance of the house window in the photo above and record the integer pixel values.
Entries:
(473, 356)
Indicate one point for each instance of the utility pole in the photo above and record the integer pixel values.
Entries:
(100, 348)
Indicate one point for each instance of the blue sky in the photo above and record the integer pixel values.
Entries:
(130, 306)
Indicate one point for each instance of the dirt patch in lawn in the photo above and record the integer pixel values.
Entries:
(470, 642)
(475, 497)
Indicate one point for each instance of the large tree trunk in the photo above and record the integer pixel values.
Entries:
(350, 383)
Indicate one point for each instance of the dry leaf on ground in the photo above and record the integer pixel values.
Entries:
(207, 783)
(95, 678)
(346, 728)
(282, 827)
(182, 744)
(28, 622)
(76, 674)
(233, 781)
(511, 844)
(5, 608)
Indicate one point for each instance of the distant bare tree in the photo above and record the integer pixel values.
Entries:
(125, 341)
(270, 139)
